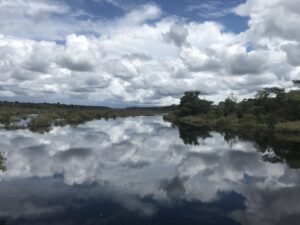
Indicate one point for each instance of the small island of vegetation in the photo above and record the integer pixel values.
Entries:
(2, 162)
(42, 117)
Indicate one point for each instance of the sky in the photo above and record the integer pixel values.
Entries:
(138, 52)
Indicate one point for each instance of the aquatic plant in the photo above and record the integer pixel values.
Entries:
(2, 162)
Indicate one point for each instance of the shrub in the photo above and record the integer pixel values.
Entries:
(40, 124)
(2, 162)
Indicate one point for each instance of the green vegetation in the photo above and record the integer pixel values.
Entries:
(190, 104)
(271, 121)
(296, 83)
(42, 117)
(2, 162)
(272, 109)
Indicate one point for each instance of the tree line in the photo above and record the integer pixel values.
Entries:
(270, 106)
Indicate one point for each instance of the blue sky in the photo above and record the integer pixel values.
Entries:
(195, 10)
(191, 10)
(139, 52)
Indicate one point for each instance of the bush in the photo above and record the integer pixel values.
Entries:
(190, 104)
(40, 124)
(6, 119)
(2, 162)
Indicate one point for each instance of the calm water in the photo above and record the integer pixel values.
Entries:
(142, 170)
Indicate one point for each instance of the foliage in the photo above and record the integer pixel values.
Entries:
(296, 83)
(40, 124)
(191, 135)
(190, 104)
(2, 162)
(270, 108)
(5, 119)
(266, 92)
(228, 106)
(41, 117)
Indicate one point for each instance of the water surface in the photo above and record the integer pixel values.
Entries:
(144, 171)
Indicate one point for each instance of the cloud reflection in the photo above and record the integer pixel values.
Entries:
(140, 164)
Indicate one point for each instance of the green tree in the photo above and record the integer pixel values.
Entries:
(190, 104)
(271, 121)
(267, 92)
(229, 105)
(296, 83)
(269, 98)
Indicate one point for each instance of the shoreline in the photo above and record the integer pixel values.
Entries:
(234, 124)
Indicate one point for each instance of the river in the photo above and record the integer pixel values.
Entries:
(144, 170)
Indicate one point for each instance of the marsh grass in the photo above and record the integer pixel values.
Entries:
(291, 126)
(2, 162)
(42, 118)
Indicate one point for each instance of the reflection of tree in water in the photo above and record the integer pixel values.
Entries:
(228, 137)
(190, 134)
(2, 221)
(174, 188)
(275, 147)
(2, 162)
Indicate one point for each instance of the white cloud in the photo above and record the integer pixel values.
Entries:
(272, 18)
(144, 57)
(293, 53)
(210, 9)
(142, 14)
(32, 7)
(248, 63)
(80, 54)
(177, 34)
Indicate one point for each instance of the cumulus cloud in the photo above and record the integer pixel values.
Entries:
(142, 14)
(197, 60)
(143, 57)
(272, 19)
(80, 54)
(248, 63)
(40, 57)
(293, 53)
(177, 34)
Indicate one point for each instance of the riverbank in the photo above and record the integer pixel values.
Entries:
(275, 146)
(42, 117)
(233, 123)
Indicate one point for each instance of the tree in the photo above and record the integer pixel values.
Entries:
(190, 104)
(190, 134)
(271, 121)
(296, 83)
(268, 99)
(266, 93)
(229, 105)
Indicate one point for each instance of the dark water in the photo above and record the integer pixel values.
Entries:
(142, 170)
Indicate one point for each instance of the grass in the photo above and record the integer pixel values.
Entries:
(203, 120)
(232, 122)
(292, 126)
(43, 117)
